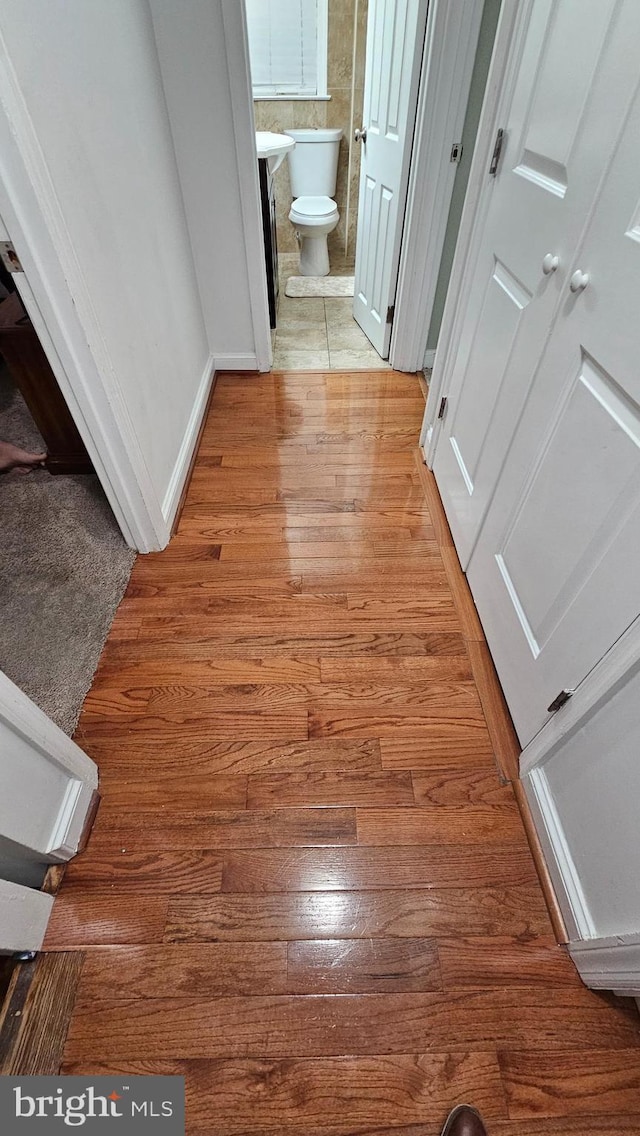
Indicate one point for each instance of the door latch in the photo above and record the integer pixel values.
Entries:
(9, 257)
(456, 152)
(559, 701)
(442, 409)
(497, 151)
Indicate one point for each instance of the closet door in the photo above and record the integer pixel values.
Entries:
(573, 74)
(556, 570)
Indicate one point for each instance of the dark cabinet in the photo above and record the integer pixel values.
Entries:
(268, 201)
(29, 368)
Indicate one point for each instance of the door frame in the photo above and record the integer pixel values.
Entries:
(447, 59)
(234, 19)
(512, 23)
(445, 78)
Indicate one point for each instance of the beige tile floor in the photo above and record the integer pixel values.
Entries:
(320, 334)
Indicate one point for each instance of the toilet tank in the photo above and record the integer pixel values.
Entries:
(313, 164)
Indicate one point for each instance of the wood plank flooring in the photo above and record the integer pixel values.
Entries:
(309, 888)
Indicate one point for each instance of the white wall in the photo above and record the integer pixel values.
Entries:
(195, 61)
(140, 243)
(89, 76)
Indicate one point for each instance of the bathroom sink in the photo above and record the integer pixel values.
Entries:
(273, 147)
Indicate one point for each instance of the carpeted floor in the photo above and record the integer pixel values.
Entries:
(64, 567)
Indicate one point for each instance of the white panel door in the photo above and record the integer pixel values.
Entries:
(572, 79)
(395, 36)
(556, 569)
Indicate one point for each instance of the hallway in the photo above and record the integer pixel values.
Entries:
(309, 889)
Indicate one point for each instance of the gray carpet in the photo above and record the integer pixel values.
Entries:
(64, 567)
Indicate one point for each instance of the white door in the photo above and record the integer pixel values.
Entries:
(395, 37)
(556, 569)
(570, 82)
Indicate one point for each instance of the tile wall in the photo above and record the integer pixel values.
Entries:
(345, 75)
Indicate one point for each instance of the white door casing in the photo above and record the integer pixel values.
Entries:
(395, 36)
(555, 569)
(573, 74)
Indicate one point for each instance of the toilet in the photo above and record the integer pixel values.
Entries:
(313, 166)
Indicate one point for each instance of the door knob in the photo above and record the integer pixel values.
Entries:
(360, 135)
(550, 263)
(579, 281)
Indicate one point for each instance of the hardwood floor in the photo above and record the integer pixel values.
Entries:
(309, 888)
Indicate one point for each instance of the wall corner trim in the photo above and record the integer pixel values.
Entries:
(237, 43)
(609, 963)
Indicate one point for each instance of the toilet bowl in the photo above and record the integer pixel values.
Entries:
(313, 218)
(313, 167)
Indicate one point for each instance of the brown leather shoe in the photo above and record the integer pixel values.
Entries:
(464, 1121)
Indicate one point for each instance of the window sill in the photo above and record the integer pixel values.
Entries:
(292, 98)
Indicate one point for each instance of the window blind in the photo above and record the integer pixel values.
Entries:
(283, 46)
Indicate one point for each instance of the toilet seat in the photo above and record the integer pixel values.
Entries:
(313, 211)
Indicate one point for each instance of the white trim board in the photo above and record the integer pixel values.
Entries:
(231, 362)
(189, 442)
(447, 66)
(234, 18)
(562, 870)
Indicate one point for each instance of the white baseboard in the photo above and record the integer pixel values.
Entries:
(609, 964)
(233, 362)
(183, 461)
(558, 858)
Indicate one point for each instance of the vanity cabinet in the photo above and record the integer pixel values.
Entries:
(268, 202)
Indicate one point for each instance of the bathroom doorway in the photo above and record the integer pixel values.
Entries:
(351, 56)
(314, 331)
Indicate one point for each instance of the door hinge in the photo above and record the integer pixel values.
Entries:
(9, 257)
(559, 701)
(442, 409)
(456, 152)
(391, 311)
(497, 151)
